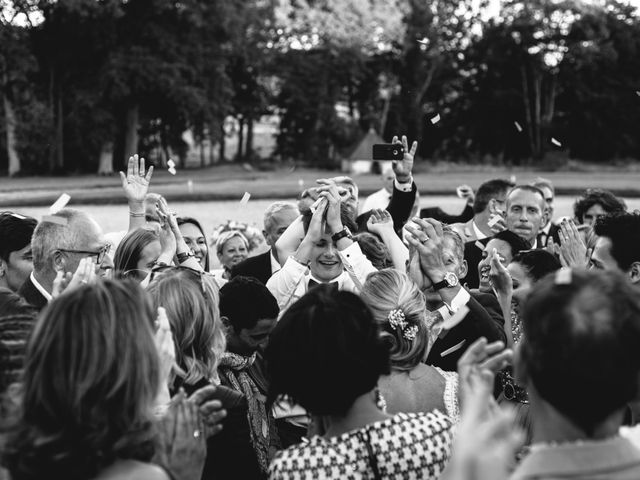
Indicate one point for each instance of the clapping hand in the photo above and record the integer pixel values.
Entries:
(182, 441)
(84, 274)
(428, 240)
(572, 250)
(487, 439)
(211, 410)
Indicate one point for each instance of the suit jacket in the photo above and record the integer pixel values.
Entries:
(553, 233)
(466, 231)
(258, 267)
(473, 256)
(438, 214)
(399, 207)
(32, 295)
(478, 323)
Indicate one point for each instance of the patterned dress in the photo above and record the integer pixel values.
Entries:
(405, 446)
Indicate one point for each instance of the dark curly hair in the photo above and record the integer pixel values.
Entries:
(596, 196)
(90, 378)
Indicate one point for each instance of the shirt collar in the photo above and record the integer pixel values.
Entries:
(339, 279)
(477, 231)
(275, 265)
(40, 288)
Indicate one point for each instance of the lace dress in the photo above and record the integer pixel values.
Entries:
(451, 394)
(407, 445)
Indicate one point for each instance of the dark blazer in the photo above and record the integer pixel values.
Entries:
(399, 207)
(258, 267)
(553, 233)
(32, 295)
(473, 256)
(438, 214)
(478, 323)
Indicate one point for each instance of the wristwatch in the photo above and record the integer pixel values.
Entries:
(345, 232)
(184, 256)
(450, 281)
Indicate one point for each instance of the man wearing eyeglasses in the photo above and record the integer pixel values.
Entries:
(59, 245)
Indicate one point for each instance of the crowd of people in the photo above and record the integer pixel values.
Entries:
(375, 341)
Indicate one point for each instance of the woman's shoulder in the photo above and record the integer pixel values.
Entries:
(133, 470)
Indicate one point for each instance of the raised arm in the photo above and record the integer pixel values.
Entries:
(136, 185)
(381, 223)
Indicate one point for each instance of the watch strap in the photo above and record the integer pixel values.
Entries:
(341, 234)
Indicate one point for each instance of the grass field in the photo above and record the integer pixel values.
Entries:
(229, 182)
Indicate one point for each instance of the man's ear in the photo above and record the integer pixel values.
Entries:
(463, 270)
(634, 272)
(58, 261)
(266, 238)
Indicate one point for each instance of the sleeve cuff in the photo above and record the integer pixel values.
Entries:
(404, 187)
(458, 301)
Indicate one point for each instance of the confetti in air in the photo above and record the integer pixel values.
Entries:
(172, 171)
(424, 41)
(556, 142)
(171, 164)
(54, 219)
(59, 204)
(518, 127)
(435, 119)
(494, 220)
(245, 198)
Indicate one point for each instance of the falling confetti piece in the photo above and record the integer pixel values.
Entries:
(172, 171)
(245, 198)
(190, 186)
(518, 127)
(556, 142)
(59, 204)
(171, 164)
(512, 179)
(456, 318)
(54, 219)
(301, 183)
(494, 220)
(18, 216)
(455, 348)
(480, 245)
(638, 92)
(435, 119)
(563, 276)
(424, 41)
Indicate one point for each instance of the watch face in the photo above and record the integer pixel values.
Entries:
(451, 279)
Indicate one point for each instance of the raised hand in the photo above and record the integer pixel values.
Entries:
(428, 240)
(84, 274)
(136, 182)
(380, 222)
(404, 168)
(499, 276)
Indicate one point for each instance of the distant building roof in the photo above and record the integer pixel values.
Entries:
(363, 150)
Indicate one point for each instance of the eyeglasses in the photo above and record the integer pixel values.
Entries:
(160, 269)
(100, 254)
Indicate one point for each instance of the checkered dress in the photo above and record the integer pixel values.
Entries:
(406, 446)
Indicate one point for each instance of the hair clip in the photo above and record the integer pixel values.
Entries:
(411, 332)
(397, 319)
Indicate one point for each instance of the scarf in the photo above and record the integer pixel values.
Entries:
(234, 368)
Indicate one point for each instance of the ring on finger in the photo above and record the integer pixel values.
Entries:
(196, 434)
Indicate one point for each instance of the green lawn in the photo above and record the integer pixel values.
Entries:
(229, 182)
